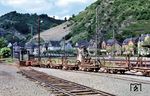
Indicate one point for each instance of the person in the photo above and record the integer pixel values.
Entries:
(79, 54)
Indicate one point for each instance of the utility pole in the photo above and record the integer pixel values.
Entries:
(64, 41)
(97, 25)
(114, 29)
(31, 28)
(39, 52)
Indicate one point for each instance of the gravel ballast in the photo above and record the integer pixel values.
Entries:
(14, 84)
(114, 84)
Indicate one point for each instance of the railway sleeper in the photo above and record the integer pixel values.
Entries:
(87, 93)
(78, 91)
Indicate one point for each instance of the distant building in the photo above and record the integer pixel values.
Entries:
(92, 47)
(129, 45)
(82, 43)
(68, 46)
(103, 45)
(54, 45)
(113, 47)
(144, 40)
(31, 47)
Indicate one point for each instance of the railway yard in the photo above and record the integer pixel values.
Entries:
(75, 48)
(34, 81)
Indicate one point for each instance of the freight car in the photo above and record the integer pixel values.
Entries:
(88, 64)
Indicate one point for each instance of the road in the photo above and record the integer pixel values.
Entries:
(111, 83)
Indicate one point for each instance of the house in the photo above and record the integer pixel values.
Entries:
(32, 47)
(129, 45)
(144, 40)
(54, 45)
(82, 43)
(113, 47)
(92, 47)
(103, 45)
(68, 46)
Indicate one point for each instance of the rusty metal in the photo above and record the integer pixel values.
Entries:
(62, 87)
(55, 64)
(89, 65)
(123, 65)
(68, 65)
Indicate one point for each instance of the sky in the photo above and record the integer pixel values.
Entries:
(58, 8)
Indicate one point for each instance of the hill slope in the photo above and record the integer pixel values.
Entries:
(127, 18)
(23, 24)
(56, 33)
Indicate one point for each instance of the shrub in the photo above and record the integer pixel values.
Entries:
(5, 52)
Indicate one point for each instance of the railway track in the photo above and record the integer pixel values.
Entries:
(61, 87)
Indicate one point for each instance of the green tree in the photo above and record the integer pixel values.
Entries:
(5, 52)
(147, 41)
(3, 42)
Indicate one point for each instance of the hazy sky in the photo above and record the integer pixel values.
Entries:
(57, 8)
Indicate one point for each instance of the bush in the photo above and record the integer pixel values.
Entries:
(5, 52)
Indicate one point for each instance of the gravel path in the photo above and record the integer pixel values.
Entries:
(105, 82)
(13, 84)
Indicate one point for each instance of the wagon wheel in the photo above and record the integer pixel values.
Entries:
(44, 64)
(108, 70)
(80, 68)
(65, 67)
(114, 71)
(41, 63)
(48, 62)
(148, 73)
(122, 71)
(88, 69)
(102, 62)
(77, 63)
(52, 63)
(145, 73)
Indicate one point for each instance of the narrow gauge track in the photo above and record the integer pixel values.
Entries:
(62, 87)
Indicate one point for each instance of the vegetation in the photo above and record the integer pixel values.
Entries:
(3, 42)
(71, 51)
(5, 52)
(17, 27)
(127, 18)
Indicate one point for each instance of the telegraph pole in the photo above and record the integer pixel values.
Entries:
(97, 25)
(39, 52)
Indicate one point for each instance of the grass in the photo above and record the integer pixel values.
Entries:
(9, 60)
